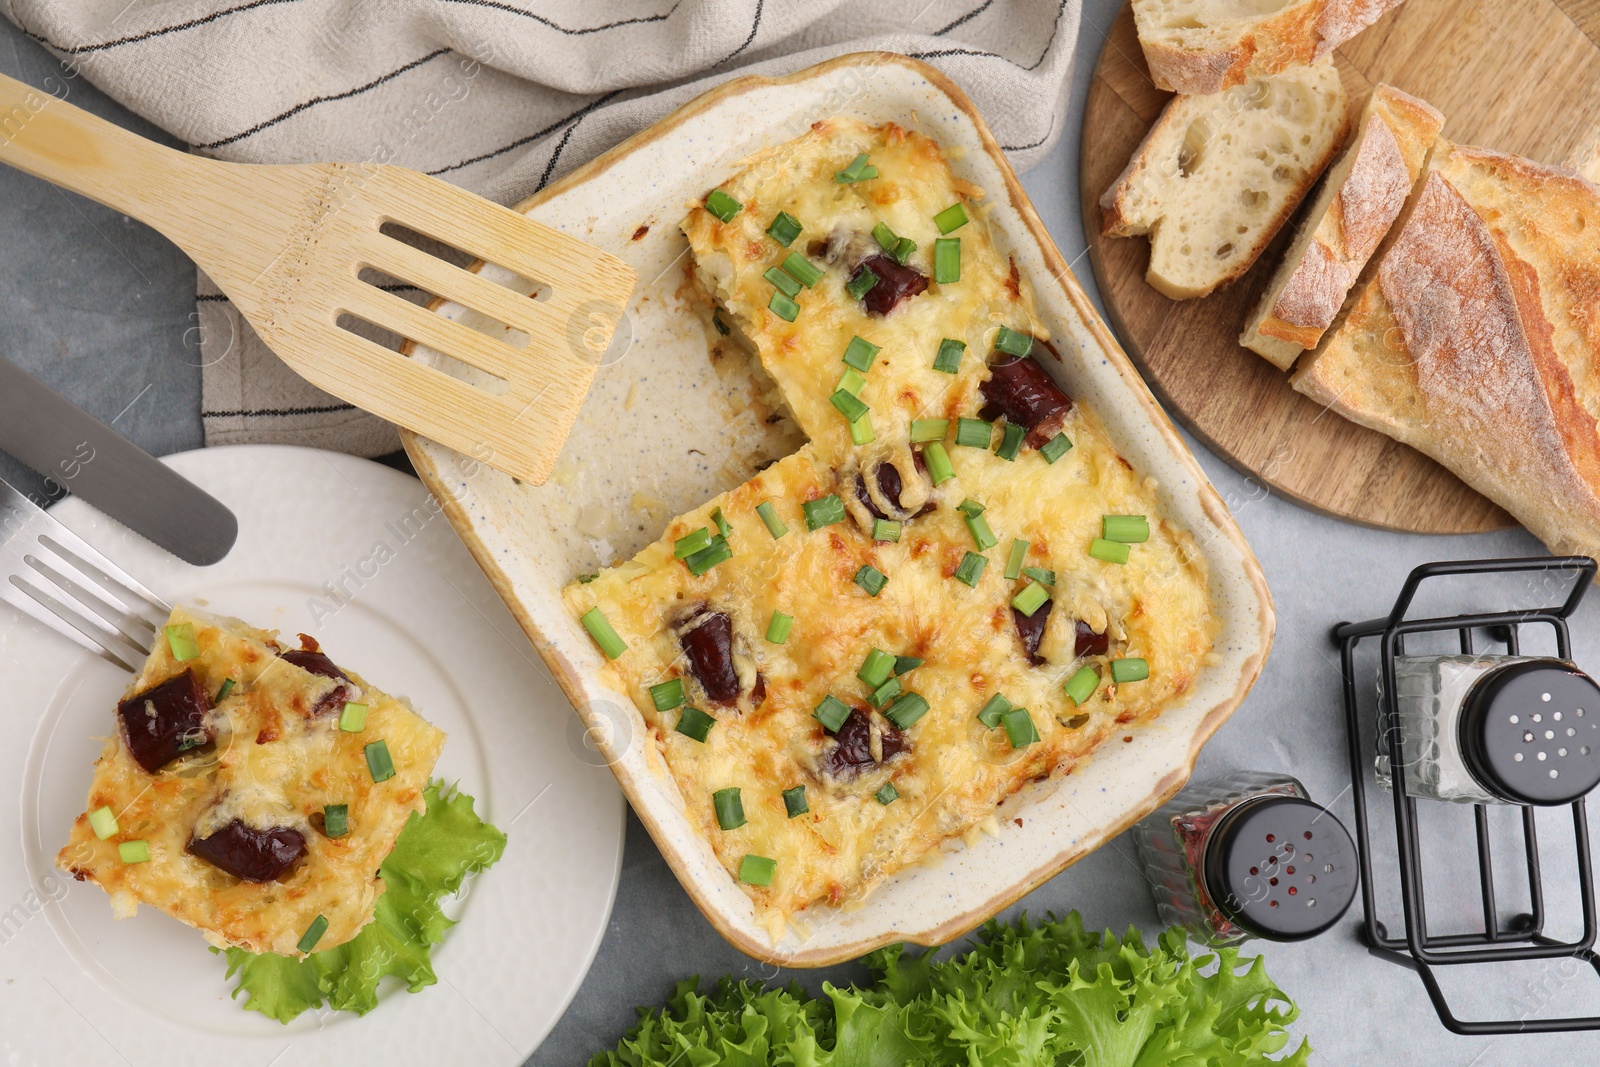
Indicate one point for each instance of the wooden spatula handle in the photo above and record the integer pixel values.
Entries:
(51, 139)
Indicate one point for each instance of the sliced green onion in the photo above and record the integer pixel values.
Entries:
(757, 870)
(1031, 599)
(313, 934)
(831, 713)
(854, 172)
(706, 558)
(103, 821)
(851, 382)
(794, 801)
(948, 360)
(769, 517)
(778, 628)
(1055, 448)
(722, 205)
(982, 536)
(938, 460)
(971, 569)
(861, 432)
(876, 668)
(859, 354)
(802, 270)
(1019, 727)
(353, 719)
(974, 433)
(902, 664)
(1073, 723)
(907, 710)
(1011, 442)
(885, 237)
(992, 709)
(823, 512)
(903, 249)
(1013, 342)
(868, 172)
(379, 763)
(182, 642)
(336, 820)
(925, 430)
(951, 218)
(947, 260)
(861, 283)
(1129, 670)
(871, 579)
(134, 851)
(885, 530)
(849, 405)
(885, 693)
(1082, 684)
(1019, 552)
(690, 543)
(783, 307)
(782, 281)
(585, 579)
(695, 724)
(1041, 575)
(667, 695)
(1129, 529)
(887, 795)
(784, 229)
(716, 320)
(224, 690)
(729, 807)
(970, 506)
(604, 636)
(1109, 551)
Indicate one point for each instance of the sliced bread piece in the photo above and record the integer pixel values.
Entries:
(1206, 46)
(1359, 201)
(1477, 339)
(1217, 175)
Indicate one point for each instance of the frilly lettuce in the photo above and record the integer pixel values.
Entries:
(431, 858)
(1024, 994)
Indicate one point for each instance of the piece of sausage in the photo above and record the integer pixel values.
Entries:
(1088, 643)
(852, 752)
(1019, 389)
(707, 639)
(248, 853)
(895, 283)
(166, 720)
(1030, 628)
(890, 488)
(314, 662)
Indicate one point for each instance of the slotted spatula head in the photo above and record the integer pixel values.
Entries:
(287, 244)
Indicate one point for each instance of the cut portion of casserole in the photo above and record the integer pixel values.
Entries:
(251, 790)
(859, 653)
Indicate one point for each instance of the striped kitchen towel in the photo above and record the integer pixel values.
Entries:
(499, 96)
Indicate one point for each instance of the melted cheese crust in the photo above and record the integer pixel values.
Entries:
(273, 765)
(956, 770)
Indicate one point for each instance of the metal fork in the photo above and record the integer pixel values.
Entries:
(54, 576)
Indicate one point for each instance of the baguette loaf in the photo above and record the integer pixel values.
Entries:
(1476, 341)
(1206, 46)
(1217, 175)
(1359, 201)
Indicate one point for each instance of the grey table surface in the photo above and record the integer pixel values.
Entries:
(103, 309)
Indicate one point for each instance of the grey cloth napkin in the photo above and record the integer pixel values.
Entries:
(499, 96)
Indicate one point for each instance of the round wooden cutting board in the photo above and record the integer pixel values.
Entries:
(1518, 75)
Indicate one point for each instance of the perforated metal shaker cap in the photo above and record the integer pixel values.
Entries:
(1530, 732)
(1281, 867)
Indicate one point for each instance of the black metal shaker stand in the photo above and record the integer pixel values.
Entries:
(1523, 938)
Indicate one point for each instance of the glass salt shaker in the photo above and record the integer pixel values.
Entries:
(1248, 855)
(1493, 729)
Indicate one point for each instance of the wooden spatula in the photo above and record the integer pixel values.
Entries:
(286, 244)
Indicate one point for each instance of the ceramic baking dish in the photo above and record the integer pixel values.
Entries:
(665, 428)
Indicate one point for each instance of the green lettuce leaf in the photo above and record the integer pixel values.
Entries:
(432, 857)
(1022, 994)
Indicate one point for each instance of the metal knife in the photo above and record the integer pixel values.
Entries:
(91, 460)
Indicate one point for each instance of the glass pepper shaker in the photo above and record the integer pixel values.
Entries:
(1248, 855)
(1493, 729)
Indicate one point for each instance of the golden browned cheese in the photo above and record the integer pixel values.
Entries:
(273, 764)
(948, 770)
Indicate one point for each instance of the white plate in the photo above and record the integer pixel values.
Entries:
(77, 986)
